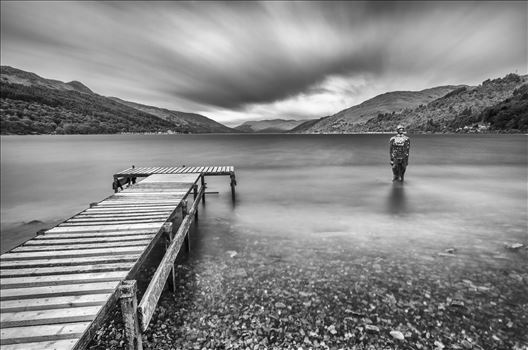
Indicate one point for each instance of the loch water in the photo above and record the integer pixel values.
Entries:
(459, 189)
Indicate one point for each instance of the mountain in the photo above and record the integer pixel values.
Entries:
(269, 126)
(30, 104)
(510, 114)
(301, 128)
(12, 75)
(348, 119)
(499, 104)
(196, 123)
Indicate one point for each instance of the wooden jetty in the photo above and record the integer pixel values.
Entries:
(58, 287)
(129, 175)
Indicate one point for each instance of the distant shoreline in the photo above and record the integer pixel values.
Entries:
(510, 132)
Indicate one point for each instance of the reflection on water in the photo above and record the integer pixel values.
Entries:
(397, 203)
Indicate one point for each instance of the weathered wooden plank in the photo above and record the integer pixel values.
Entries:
(65, 240)
(60, 235)
(33, 281)
(117, 222)
(149, 194)
(94, 217)
(153, 292)
(127, 201)
(159, 190)
(59, 270)
(50, 262)
(41, 317)
(121, 216)
(123, 202)
(126, 171)
(66, 344)
(191, 178)
(130, 211)
(53, 302)
(60, 290)
(43, 333)
(71, 253)
(159, 185)
(61, 246)
(117, 217)
(154, 199)
(104, 228)
(105, 205)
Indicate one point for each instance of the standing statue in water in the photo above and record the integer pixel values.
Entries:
(399, 153)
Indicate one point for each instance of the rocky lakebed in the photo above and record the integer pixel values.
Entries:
(282, 293)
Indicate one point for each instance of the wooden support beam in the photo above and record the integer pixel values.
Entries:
(204, 186)
(169, 236)
(195, 194)
(184, 214)
(152, 294)
(128, 300)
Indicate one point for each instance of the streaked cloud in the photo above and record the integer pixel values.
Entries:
(249, 60)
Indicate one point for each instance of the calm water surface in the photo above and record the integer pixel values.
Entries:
(317, 222)
(461, 190)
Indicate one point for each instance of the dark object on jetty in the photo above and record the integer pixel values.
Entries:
(58, 287)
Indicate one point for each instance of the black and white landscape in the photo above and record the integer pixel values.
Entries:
(320, 249)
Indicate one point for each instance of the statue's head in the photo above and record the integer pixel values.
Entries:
(400, 129)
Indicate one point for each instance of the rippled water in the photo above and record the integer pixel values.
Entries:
(463, 190)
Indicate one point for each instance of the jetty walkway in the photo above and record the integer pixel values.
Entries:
(58, 287)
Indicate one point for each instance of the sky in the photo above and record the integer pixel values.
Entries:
(238, 61)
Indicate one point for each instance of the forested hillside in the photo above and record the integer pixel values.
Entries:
(30, 104)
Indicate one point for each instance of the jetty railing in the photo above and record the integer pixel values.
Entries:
(137, 316)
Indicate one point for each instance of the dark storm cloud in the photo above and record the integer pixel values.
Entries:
(276, 56)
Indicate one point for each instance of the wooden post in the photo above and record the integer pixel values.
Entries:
(184, 214)
(128, 299)
(195, 194)
(167, 228)
(233, 184)
(203, 185)
(116, 185)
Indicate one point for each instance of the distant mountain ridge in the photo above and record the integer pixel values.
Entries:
(450, 108)
(30, 104)
(464, 108)
(269, 125)
(16, 76)
(186, 121)
(388, 102)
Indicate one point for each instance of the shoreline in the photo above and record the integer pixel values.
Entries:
(288, 133)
